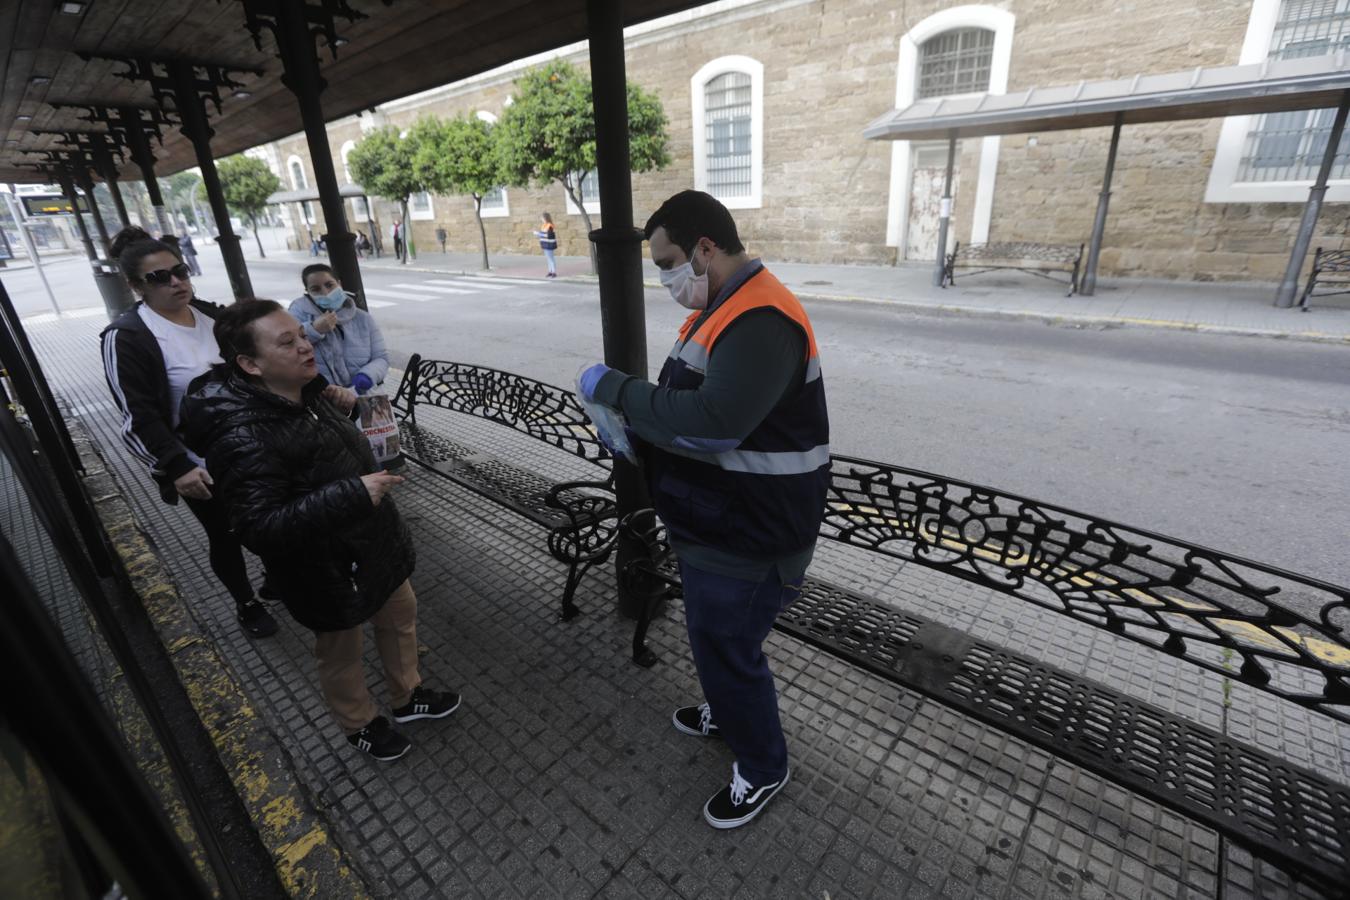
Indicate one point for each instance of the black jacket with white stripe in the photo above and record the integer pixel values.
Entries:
(135, 369)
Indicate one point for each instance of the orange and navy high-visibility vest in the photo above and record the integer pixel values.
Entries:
(766, 496)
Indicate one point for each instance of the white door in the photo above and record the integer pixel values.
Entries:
(925, 200)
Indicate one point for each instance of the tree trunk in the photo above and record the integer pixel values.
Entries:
(482, 232)
(585, 217)
(407, 234)
(253, 220)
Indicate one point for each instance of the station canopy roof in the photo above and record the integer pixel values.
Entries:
(1203, 93)
(307, 194)
(399, 49)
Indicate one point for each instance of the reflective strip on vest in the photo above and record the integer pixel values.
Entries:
(757, 462)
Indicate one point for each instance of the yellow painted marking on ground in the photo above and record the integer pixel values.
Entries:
(1255, 635)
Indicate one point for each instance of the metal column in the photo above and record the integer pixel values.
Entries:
(618, 245)
(1089, 283)
(86, 183)
(196, 129)
(68, 188)
(144, 159)
(107, 170)
(296, 43)
(945, 214)
(1284, 297)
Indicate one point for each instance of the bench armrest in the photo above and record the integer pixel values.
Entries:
(592, 521)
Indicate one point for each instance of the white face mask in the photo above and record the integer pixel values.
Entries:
(688, 289)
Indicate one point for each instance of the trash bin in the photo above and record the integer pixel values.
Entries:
(117, 297)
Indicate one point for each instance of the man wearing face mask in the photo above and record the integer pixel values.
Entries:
(735, 439)
(348, 346)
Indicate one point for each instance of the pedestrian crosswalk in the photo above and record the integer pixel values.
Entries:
(440, 289)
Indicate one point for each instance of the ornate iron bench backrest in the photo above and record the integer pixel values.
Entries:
(1332, 260)
(542, 411)
(1214, 610)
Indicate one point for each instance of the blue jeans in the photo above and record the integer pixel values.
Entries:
(728, 619)
(548, 255)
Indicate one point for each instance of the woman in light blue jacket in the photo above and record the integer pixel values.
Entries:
(348, 346)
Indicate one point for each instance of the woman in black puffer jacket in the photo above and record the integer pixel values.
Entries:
(300, 488)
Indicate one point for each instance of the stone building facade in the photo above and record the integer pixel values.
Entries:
(1196, 200)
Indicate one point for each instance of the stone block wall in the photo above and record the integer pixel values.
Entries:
(830, 69)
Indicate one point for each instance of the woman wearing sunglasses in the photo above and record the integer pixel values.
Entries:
(150, 354)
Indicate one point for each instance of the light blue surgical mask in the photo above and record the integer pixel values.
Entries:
(331, 301)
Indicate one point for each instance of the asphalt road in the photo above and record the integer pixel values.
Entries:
(1242, 444)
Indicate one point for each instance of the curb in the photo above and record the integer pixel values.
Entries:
(308, 861)
(1084, 321)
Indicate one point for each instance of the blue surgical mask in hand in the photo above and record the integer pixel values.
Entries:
(688, 289)
(332, 300)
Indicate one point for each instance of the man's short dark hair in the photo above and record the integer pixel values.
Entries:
(234, 329)
(690, 215)
(310, 270)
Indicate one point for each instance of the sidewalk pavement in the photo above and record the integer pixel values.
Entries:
(1237, 308)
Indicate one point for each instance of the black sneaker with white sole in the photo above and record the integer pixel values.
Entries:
(696, 720)
(380, 741)
(427, 704)
(740, 801)
(255, 619)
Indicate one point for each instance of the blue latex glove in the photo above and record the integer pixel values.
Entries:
(591, 378)
(362, 383)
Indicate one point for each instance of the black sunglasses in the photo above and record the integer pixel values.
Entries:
(162, 276)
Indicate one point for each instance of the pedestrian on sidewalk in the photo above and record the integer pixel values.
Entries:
(548, 242)
(348, 345)
(189, 253)
(396, 232)
(734, 439)
(150, 354)
(442, 235)
(300, 486)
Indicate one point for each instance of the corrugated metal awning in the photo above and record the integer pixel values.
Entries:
(1203, 93)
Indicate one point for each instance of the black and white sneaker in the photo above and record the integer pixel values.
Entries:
(427, 704)
(740, 801)
(380, 741)
(695, 720)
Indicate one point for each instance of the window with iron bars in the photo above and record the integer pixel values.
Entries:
(727, 124)
(1288, 146)
(494, 200)
(955, 62)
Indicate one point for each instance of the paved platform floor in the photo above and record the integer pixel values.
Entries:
(561, 775)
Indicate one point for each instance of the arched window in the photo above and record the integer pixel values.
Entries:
(494, 201)
(727, 99)
(965, 49)
(1288, 146)
(300, 183)
(955, 62)
(360, 209)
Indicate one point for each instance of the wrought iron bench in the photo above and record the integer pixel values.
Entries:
(1038, 259)
(579, 516)
(1330, 268)
(1205, 608)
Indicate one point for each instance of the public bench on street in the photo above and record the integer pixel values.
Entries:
(1331, 268)
(1210, 610)
(579, 516)
(1039, 259)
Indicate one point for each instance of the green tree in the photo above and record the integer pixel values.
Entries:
(459, 156)
(548, 133)
(247, 182)
(382, 163)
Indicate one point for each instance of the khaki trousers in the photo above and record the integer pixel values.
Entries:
(342, 677)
